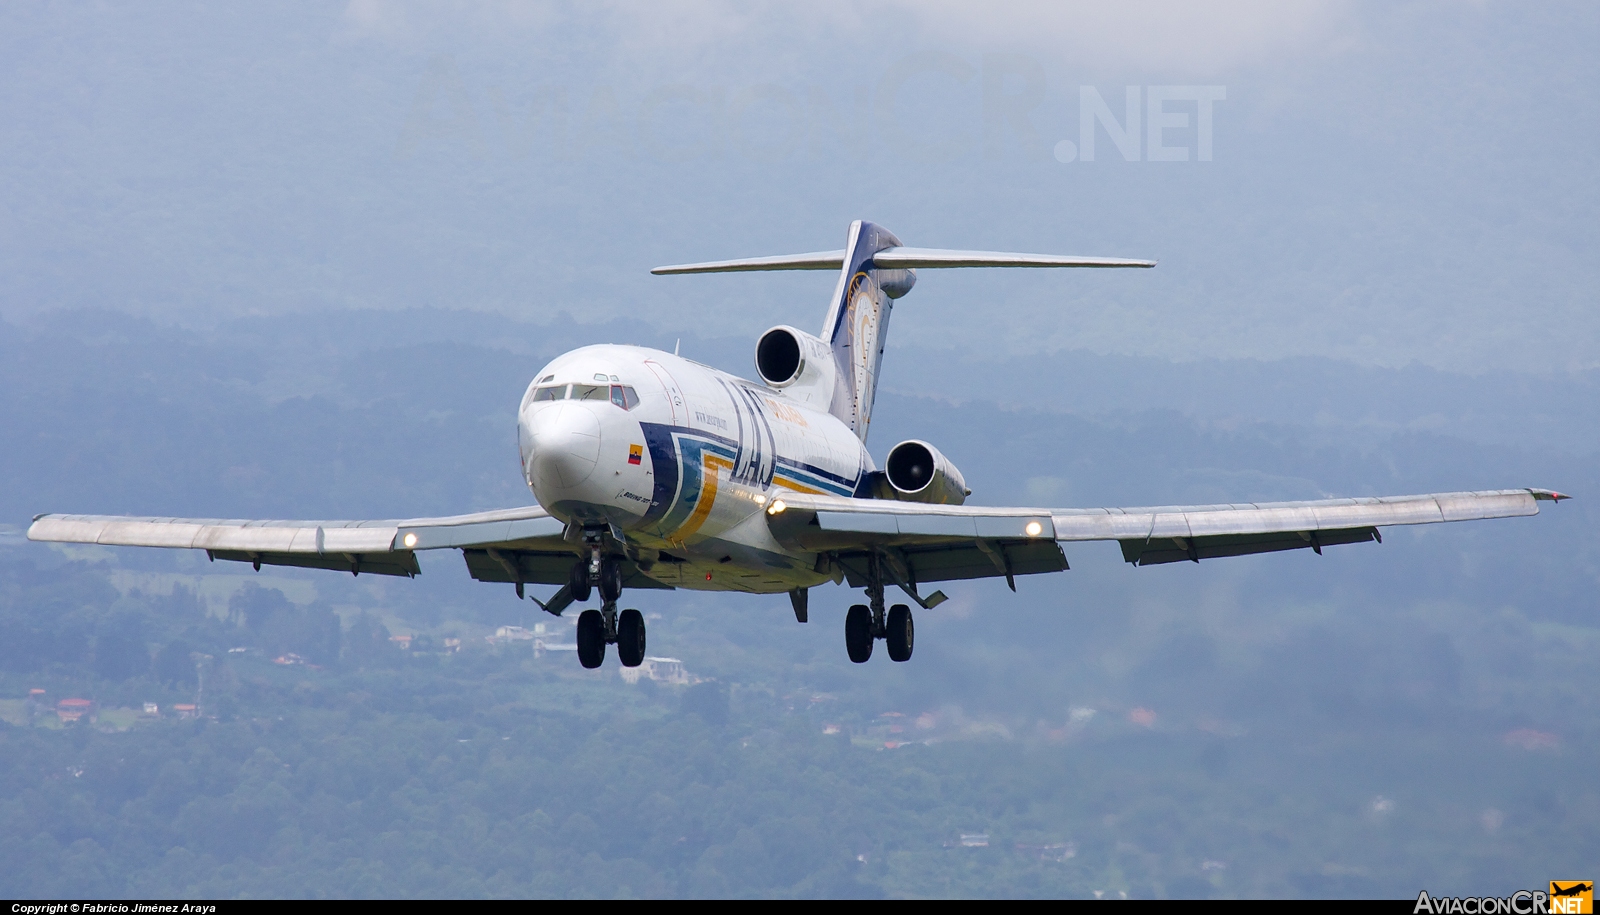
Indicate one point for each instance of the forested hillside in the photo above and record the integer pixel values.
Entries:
(1375, 721)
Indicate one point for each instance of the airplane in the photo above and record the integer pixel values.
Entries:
(652, 471)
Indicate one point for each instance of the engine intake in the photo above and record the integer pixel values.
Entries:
(798, 364)
(779, 359)
(917, 472)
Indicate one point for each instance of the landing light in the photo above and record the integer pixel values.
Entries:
(761, 500)
(1034, 528)
(411, 540)
(777, 507)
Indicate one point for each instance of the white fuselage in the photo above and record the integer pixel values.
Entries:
(683, 460)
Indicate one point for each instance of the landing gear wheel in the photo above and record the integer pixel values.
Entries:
(901, 634)
(578, 581)
(858, 633)
(591, 639)
(610, 579)
(630, 638)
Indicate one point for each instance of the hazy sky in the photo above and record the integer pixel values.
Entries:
(1388, 183)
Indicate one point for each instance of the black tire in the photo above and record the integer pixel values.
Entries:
(902, 634)
(610, 579)
(858, 633)
(630, 638)
(591, 639)
(578, 581)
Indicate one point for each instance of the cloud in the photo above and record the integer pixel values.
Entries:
(1185, 37)
(1182, 38)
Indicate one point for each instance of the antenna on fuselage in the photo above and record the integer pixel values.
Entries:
(675, 345)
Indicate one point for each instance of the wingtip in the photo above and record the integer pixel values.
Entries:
(1548, 495)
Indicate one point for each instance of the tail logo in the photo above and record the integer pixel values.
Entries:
(863, 318)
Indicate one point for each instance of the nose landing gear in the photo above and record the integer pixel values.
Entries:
(599, 628)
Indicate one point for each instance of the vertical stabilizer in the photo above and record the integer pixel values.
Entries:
(858, 322)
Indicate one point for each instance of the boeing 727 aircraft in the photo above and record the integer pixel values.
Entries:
(653, 471)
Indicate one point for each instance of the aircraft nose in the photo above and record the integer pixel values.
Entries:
(565, 441)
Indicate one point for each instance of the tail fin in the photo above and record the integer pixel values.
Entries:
(873, 270)
(857, 325)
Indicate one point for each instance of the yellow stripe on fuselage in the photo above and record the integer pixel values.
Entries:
(708, 495)
(796, 486)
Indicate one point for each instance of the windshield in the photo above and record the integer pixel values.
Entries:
(623, 395)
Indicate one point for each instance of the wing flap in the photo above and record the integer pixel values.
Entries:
(386, 563)
(1193, 549)
(960, 562)
(542, 568)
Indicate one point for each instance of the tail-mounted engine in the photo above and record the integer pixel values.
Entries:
(917, 472)
(797, 362)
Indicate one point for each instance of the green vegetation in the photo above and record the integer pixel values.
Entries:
(492, 772)
(1375, 721)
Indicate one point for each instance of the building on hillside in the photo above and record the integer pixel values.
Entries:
(540, 646)
(512, 634)
(451, 646)
(662, 670)
(151, 710)
(403, 641)
(75, 709)
(975, 840)
(187, 711)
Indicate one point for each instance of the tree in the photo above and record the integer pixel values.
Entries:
(174, 666)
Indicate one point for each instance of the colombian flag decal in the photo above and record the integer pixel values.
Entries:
(635, 454)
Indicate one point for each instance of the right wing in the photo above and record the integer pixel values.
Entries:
(515, 545)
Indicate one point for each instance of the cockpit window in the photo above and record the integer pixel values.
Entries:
(591, 392)
(554, 392)
(624, 396)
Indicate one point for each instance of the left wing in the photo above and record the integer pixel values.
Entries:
(515, 545)
(924, 543)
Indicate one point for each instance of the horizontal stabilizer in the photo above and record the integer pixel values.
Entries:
(902, 259)
(817, 260)
(920, 258)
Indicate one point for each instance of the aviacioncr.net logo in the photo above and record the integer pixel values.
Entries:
(1566, 897)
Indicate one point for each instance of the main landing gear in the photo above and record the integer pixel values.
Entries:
(599, 628)
(863, 624)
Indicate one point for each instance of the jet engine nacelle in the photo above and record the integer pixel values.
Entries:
(798, 363)
(917, 472)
